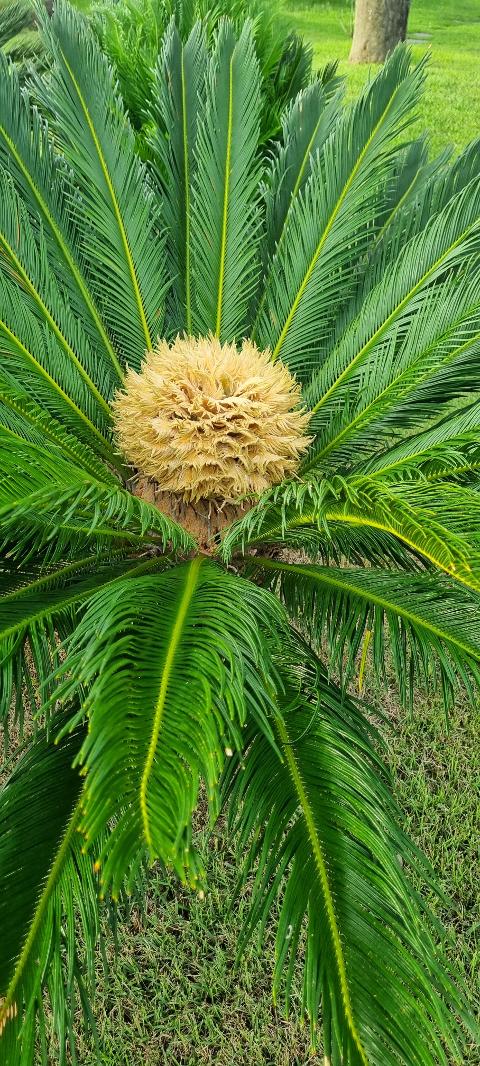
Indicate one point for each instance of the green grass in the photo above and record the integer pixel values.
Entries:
(451, 107)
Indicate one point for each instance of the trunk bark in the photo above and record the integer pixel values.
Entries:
(379, 26)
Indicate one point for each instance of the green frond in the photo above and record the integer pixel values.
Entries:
(39, 607)
(331, 221)
(31, 357)
(225, 220)
(131, 33)
(427, 627)
(167, 668)
(26, 152)
(176, 101)
(430, 527)
(428, 354)
(47, 505)
(24, 259)
(47, 895)
(431, 196)
(449, 448)
(118, 217)
(306, 126)
(24, 417)
(320, 830)
(406, 290)
(413, 174)
(13, 18)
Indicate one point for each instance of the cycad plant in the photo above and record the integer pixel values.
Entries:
(19, 36)
(131, 33)
(240, 447)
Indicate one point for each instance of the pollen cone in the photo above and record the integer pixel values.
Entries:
(208, 422)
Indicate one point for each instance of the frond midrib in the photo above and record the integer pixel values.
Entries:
(370, 597)
(330, 222)
(105, 446)
(75, 597)
(189, 589)
(226, 201)
(62, 340)
(322, 871)
(45, 896)
(366, 348)
(115, 205)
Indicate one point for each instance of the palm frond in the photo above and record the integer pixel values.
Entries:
(169, 667)
(47, 505)
(32, 359)
(24, 417)
(449, 448)
(435, 529)
(121, 238)
(24, 259)
(427, 627)
(225, 208)
(39, 607)
(335, 215)
(389, 309)
(320, 829)
(26, 152)
(305, 127)
(48, 892)
(179, 88)
(427, 354)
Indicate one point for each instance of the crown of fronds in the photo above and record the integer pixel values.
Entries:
(156, 664)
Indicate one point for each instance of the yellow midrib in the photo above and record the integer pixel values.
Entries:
(56, 387)
(223, 248)
(287, 214)
(188, 299)
(11, 254)
(40, 909)
(322, 871)
(328, 227)
(49, 434)
(392, 316)
(378, 601)
(116, 209)
(189, 589)
(362, 414)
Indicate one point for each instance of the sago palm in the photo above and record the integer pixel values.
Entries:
(240, 448)
(131, 31)
(19, 36)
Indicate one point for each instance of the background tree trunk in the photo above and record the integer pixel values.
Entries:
(379, 26)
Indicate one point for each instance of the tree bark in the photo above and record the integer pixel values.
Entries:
(379, 26)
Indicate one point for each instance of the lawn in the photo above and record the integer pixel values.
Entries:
(451, 107)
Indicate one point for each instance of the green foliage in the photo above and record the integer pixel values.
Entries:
(131, 33)
(293, 830)
(50, 890)
(19, 38)
(357, 263)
